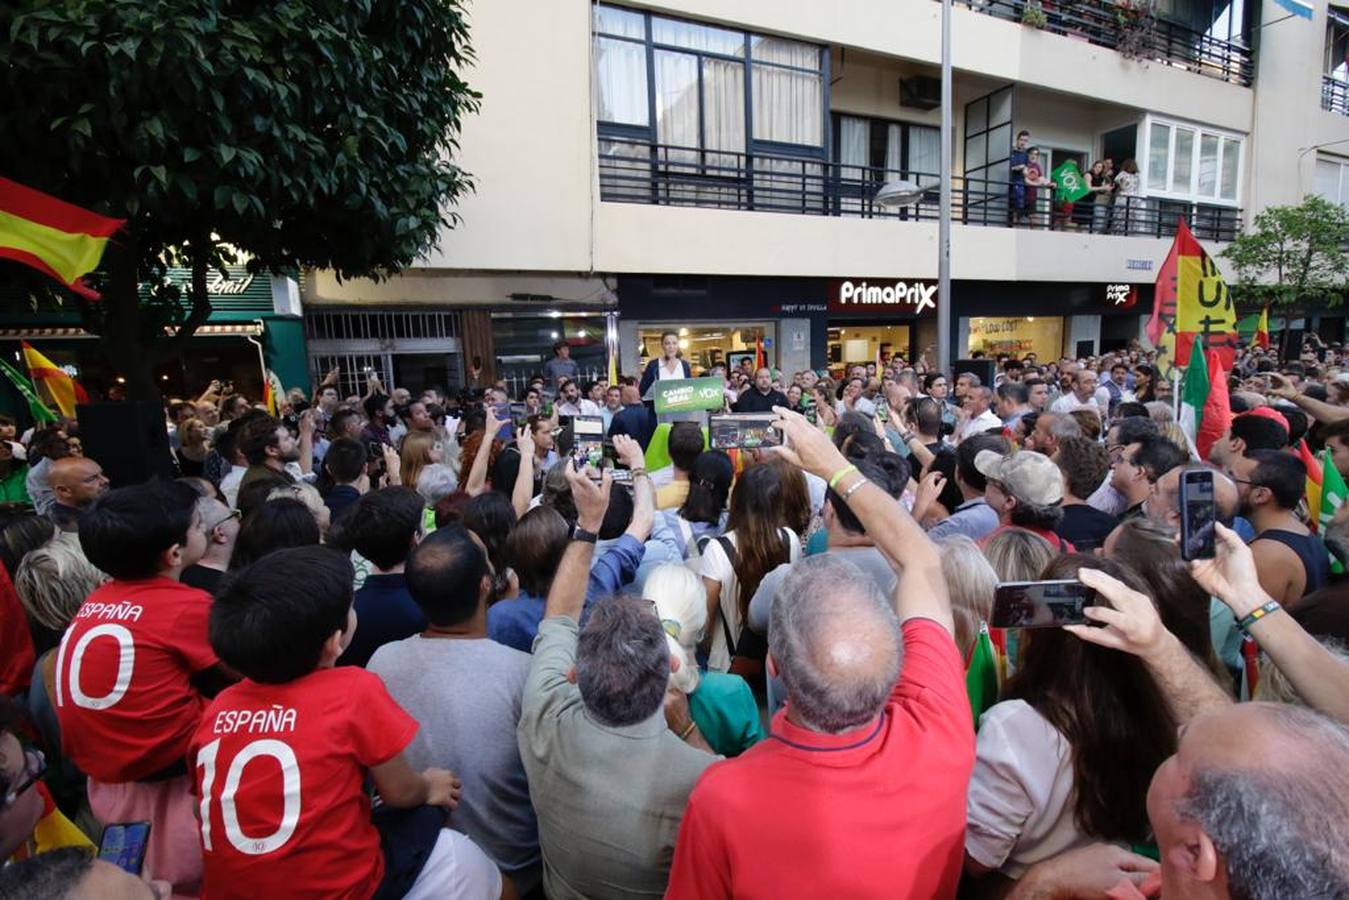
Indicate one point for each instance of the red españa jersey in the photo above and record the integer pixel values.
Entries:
(279, 771)
(123, 696)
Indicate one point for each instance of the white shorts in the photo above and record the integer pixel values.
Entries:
(457, 870)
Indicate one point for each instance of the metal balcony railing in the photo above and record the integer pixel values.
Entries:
(1119, 26)
(1335, 95)
(662, 175)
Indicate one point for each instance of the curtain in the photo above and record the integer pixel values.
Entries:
(925, 154)
(894, 153)
(854, 156)
(620, 82)
(787, 106)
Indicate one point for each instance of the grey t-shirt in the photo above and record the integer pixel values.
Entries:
(558, 368)
(466, 694)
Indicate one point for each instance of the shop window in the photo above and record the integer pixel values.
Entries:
(1017, 336)
(708, 344)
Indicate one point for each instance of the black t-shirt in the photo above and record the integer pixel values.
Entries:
(754, 402)
(1085, 527)
(203, 577)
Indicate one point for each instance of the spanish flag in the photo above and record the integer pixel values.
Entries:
(1262, 329)
(1192, 302)
(1312, 493)
(52, 236)
(51, 379)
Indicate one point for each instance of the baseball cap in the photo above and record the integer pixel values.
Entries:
(1028, 476)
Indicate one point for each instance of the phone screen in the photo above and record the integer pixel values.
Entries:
(503, 413)
(1197, 515)
(124, 845)
(1041, 604)
(748, 431)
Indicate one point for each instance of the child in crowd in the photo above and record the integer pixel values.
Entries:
(132, 667)
(281, 758)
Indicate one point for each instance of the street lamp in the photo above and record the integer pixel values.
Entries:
(901, 193)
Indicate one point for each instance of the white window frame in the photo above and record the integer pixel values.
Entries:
(1343, 187)
(1200, 131)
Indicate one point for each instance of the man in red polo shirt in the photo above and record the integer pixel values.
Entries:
(860, 790)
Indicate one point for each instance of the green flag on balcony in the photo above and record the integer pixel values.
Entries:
(1072, 184)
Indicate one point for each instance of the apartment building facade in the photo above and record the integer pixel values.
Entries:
(712, 167)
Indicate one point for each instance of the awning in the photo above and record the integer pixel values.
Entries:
(233, 329)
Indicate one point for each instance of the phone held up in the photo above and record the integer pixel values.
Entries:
(124, 845)
(1198, 512)
(1041, 604)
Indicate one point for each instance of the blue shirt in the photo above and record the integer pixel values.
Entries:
(385, 612)
(515, 622)
(974, 518)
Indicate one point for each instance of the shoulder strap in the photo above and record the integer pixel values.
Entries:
(731, 555)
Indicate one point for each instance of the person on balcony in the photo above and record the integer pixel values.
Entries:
(1018, 161)
(1035, 179)
(1129, 198)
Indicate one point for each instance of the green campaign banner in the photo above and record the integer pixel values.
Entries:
(688, 395)
(1072, 183)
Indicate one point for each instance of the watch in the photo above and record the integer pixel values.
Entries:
(580, 534)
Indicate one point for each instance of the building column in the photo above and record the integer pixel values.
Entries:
(475, 329)
(1082, 328)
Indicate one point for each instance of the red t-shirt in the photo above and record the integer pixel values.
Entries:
(875, 812)
(123, 696)
(17, 656)
(279, 770)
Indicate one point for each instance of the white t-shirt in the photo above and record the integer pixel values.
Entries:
(717, 567)
(1019, 808)
(664, 374)
(1069, 402)
(581, 407)
(979, 424)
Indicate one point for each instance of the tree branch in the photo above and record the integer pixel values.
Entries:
(201, 303)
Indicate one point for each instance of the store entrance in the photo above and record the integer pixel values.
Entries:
(705, 345)
(852, 344)
(1017, 336)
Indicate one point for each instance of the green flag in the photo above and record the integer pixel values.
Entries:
(981, 677)
(1194, 390)
(35, 405)
(1072, 185)
(1333, 495)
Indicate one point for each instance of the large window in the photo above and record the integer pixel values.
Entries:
(1332, 179)
(1191, 162)
(706, 93)
(870, 152)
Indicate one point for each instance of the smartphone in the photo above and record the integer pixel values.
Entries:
(503, 413)
(1041, 604)
(1198, 512)
(882, 413)
(743, 431)
(124, 845)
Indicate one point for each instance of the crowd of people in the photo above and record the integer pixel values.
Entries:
(400, 645)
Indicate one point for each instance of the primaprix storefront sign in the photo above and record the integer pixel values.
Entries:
(908, 296)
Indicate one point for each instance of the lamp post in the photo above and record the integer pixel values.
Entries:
(895, 194)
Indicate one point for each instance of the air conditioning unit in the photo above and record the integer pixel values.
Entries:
(920, 92)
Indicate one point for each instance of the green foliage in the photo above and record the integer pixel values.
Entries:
(306, 134)
(1293, 254)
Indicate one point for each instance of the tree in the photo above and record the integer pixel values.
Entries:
(1293, 254)
(306, 134)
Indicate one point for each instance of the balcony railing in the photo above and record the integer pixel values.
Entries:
(662, 175)
(1110, 24)
(1334, 95)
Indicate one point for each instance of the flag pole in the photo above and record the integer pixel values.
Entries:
(1175, 392)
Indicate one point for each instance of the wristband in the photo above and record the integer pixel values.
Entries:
(1259, 613)
(839, 475)
(638, 473)
(852, 490)
(684, 735)
(580, 534)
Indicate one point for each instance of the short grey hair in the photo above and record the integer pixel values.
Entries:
(622, 662)
(1062, 425)
(1279, 827)
(836, 643)
(436, 482)
(971, 582)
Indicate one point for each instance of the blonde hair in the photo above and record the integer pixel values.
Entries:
(306, 494)
(1018, 555)
(1160, 411)
(681, 603)
(53, 580)
(1274, 686)
(970, 581)
(415, 455)
(1176, 435)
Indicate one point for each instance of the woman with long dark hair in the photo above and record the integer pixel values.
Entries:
(703, 514)
(1067, 756)
(758, 538)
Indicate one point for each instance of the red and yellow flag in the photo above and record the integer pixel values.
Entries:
(52, 380)
(52, 236)
(1312, 493)
(1262, 329)
(1192, 302)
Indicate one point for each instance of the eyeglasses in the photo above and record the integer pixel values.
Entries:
(233, 515)
(34, 767)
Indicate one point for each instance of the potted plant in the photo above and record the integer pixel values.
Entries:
(1033, 14)
(1136, 20)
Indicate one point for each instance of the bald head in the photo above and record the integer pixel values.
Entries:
(76, 481)
(835, 643)
(1163, 505)
(1253, 805)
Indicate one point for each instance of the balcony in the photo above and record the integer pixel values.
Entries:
(662, 175)
(1334, 95)
(1120, 26)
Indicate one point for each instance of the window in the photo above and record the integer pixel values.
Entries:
(1337, 45)
(988, 148)
(1332, 179)
(871, 152)
(1188, 162)
(706, 93)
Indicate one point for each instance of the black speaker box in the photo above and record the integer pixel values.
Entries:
(128, 439)
(984, 368)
